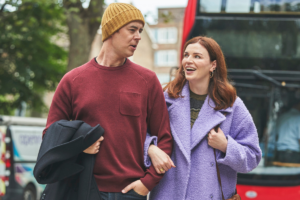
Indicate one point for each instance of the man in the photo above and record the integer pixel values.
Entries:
(125, 99)
(288, 143)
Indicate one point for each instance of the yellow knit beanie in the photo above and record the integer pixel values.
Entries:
(116, 16)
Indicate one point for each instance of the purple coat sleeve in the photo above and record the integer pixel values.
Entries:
(149, 139)
(243, 153)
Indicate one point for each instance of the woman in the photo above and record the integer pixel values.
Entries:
(198, 99)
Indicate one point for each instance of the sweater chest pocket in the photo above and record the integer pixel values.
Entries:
(130, 104)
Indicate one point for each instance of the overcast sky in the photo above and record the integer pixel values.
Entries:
(149, 7)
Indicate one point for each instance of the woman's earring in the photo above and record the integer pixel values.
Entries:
(212, 74)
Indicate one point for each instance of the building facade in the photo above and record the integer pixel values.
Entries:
(166, 36)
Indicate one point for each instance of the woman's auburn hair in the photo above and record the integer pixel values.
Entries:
(219, 88)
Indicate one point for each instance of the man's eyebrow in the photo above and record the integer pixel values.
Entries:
(134, 27)
(141, 29)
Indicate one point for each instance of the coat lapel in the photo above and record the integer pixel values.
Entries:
(207, 119)
(179, 113)
(180, 121)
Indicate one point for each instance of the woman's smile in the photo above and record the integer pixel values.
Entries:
(190, 70)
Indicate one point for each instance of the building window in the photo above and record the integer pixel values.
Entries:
(164, 35)
(163, 78)
(166, 58)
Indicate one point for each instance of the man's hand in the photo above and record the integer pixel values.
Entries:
(138, 187)
(95, 147)
(217, 140)
(160, 160)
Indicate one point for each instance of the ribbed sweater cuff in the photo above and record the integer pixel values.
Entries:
(149, 182)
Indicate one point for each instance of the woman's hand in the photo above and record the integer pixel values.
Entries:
(217, 140)
(95, 147)
(160, 160)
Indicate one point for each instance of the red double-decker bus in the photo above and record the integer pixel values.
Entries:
(261, 43)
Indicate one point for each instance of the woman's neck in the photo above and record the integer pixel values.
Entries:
(200, 88)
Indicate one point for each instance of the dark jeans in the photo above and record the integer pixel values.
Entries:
(288, 156)
(131, 195)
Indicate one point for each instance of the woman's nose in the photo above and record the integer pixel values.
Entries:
(189, 59)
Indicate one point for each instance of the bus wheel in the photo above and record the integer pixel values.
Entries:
(29, 193)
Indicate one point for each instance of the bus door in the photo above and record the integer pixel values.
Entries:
(273, 99)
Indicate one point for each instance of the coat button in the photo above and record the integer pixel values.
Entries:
(211, 164)
(211, 196)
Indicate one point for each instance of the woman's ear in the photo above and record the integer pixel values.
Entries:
(213, 66)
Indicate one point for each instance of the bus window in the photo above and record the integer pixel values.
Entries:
(263, 43)
(248, 6)
(285, 135)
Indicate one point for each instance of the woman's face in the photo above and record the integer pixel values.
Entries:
(196, 63)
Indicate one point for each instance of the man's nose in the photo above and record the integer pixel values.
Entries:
(138, 36)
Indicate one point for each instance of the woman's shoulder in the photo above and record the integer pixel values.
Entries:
(238, 102)
(239, 107)
(167, 97)
(171, 100)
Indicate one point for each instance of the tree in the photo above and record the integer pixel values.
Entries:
(30, 62)
(83, 24)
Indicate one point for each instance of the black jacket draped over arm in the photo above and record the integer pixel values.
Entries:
(62, 165)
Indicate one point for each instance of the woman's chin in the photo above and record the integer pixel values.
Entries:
(191, 78)
(197, 79)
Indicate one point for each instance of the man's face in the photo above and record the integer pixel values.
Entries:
(126, 39)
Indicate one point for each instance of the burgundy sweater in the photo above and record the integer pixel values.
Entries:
(126, 101)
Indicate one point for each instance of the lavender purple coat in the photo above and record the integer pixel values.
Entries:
(195, 175)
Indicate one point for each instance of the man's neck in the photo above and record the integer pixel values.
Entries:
(108, 58)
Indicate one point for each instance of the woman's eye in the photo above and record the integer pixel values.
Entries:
(197, 56)
(186, 55)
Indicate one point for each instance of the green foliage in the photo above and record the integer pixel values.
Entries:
(167, 17)
(30, 61)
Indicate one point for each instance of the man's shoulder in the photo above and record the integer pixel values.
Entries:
(72, 74)
(145, 73)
